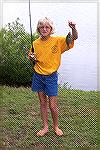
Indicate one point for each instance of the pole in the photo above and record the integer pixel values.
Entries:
(31, 27)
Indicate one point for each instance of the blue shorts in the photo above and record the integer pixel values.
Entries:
(45, 83)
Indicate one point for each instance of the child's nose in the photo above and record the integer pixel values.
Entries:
(45, 28)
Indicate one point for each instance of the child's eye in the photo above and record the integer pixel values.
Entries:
(41, 27)
(45, 27)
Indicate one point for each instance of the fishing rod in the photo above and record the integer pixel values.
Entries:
(31, 27)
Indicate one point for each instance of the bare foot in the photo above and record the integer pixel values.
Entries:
(42, 132)
(58, 131)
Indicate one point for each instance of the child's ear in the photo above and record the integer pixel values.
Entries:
(51, 30)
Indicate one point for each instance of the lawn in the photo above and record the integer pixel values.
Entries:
(20, 120)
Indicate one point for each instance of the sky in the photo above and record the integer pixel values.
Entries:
(84, 15)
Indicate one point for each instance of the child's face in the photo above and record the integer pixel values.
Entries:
(45, 29)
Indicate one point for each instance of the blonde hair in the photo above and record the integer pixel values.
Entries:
(45, 20)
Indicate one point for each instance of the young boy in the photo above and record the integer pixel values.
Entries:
(47, 53)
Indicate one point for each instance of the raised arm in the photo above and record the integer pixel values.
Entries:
(74, 30)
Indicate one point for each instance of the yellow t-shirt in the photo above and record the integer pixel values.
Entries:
(48, 53)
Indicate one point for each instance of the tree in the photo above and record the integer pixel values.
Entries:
(15, 68)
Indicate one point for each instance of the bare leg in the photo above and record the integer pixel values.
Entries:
(44, 113)
(54, 112)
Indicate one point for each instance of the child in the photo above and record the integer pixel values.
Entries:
(47, 53)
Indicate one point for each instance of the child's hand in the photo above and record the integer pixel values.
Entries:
(71, 24)
(31, 56)
(74, 30)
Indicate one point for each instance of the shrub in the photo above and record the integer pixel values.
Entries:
(15, 68)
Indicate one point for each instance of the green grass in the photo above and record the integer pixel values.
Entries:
(20, 121)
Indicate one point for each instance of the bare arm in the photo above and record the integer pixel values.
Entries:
(74, 30)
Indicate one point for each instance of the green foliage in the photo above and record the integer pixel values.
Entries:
(15, 68)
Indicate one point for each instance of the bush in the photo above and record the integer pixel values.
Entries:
(15, 68)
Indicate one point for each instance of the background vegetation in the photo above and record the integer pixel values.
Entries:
(15, 42)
